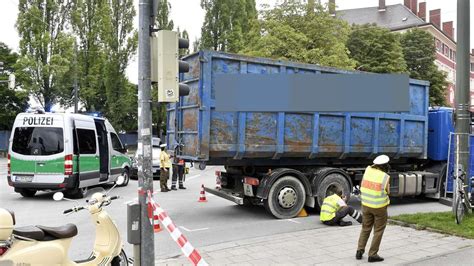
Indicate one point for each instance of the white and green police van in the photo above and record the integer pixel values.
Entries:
(53, 151)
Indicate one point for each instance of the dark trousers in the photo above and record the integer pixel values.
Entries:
(341, 213)
(376, 219)
(178, 174)
(164, 175)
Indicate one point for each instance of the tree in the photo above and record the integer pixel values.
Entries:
(46, 50)
(420, 53)
(12, 102)
(376, 49)
(291, 31)
(162, 17)
(120, 44)
(227, 24)
(87, 18)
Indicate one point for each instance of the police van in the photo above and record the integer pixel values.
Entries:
(52, 151)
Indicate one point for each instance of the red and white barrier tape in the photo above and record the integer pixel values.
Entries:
(188, 250)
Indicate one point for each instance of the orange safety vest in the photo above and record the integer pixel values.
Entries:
(373, 193)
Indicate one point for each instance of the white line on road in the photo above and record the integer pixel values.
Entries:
(193, 230)
(192, 177)
(289, 220)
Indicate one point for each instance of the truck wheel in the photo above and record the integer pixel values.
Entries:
(28, 193)
(286, 198)
(330, 183)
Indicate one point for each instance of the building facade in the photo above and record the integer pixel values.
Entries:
(409, 15)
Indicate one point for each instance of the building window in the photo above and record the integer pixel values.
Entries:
(438, 45)
(446, 50)
(472, 67)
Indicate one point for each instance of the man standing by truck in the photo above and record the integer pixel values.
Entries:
(374, 195)
(334, 208)
(165, 166)
(178, 170)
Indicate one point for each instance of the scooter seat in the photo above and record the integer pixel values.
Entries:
(31, 232)
(59, 232)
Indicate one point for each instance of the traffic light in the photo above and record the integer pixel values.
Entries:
(166, 66)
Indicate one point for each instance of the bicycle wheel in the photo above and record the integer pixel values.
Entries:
(459, 209)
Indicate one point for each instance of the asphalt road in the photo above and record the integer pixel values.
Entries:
(213, 222)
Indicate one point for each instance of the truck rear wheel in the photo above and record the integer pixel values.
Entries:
(329, 184)
(286, 198)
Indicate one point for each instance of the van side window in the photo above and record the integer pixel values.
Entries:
(87, 142)
(116, 144)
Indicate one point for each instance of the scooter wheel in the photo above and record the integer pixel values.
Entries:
(121, 259)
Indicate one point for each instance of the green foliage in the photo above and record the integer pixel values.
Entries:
(376, 49)
(87, 18)
(227, 24)
(46, 50)
(162, 18)
(12, 102)
(420, 53)
(292, 31)
(441, 221)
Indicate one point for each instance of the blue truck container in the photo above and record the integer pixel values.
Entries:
(215, 137)
(286, 160)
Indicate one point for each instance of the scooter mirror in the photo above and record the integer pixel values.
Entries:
(120, 180)
(58, 196)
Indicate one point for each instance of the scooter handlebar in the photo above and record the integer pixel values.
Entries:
(75, 209)
(114, 197)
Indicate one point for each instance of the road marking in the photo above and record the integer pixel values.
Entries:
(289, 220)
(193, 230)
(192, 177)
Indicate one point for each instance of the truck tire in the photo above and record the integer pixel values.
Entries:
(286, 197)
(329, 183)
(27, 193)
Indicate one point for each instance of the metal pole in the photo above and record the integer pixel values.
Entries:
(145, 177)
(462, 98)
(76, 87)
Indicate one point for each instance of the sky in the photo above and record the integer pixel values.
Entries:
(187, 14)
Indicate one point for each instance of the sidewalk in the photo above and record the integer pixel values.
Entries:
(331, 246)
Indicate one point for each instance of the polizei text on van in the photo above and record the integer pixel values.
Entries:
(38, 121)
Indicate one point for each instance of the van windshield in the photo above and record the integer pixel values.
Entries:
(38, 140)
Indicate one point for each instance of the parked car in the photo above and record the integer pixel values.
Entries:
(155, 160)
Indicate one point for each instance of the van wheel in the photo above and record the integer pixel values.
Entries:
(121, 259)
(77, 193)
(28, 193)
(126, 177)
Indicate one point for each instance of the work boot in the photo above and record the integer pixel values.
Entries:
(164, 190)
(359, 254)
(344, 223)
(173, 188)
(182, 187)
(168, 189)
(375, 258)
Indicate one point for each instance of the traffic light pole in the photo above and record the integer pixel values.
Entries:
(144, 150)
(463, 117)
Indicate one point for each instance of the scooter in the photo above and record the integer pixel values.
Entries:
(41, 245)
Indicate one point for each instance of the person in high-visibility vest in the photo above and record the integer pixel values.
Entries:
(335, 208)
(374, 189)
(165, 165)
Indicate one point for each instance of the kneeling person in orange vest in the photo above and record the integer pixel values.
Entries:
(335, 208)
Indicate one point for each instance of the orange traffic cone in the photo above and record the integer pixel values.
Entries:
(202, 197)
(156, 224)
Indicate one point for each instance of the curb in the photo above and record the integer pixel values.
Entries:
(418, 227)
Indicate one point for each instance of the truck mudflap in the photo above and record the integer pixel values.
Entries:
(225, 194)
